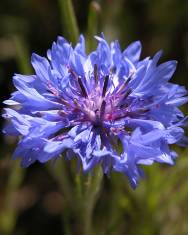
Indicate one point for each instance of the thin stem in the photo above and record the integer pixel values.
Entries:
(9, 214)
(68, 18)
(22, 54)
(92, 25)
(80, 196)
(91, 194)
(59, 172)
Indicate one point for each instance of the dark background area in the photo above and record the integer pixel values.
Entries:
(31, 202)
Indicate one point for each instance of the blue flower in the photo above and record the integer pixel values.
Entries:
(108, 108)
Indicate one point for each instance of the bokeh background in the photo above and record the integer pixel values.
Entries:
(32, 201)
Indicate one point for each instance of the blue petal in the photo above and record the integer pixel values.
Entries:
(41, 66)
(19, 122)
(54, 148)
(174, 134)
(30, 97)
(80, 47)
(133, 51)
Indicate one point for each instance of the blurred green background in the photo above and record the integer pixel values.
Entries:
(34, 201)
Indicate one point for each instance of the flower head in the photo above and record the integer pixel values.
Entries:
(108, 108)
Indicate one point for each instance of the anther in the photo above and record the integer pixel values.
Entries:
(62, 113)
(71, 71)
(113, 69)
(84, 93)
(76, 102)
(125, 83)
(65, 102)
(96, 73)
(143, 110)
(105, 85)
(128, 92)
(102, 109)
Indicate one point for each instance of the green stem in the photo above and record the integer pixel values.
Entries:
(80, 196)
(93, 186)
(22, 55)
(92, 26)
(69, 23)
(9, 215)
(59, 172)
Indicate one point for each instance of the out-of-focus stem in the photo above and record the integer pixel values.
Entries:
(59, 172)
(92, 189)
(92, 26)
(9, 214)
(22, 54)
(68, 19)
(80, 196)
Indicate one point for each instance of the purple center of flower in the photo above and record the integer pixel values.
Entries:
(103, 103)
